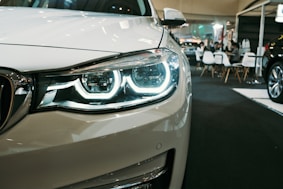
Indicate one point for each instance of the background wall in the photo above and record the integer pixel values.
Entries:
(249, 29)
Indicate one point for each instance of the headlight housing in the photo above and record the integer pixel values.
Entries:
(124, 82)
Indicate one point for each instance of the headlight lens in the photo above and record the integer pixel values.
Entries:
(125, 82)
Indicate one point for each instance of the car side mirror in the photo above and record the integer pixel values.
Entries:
(173, 17)
(279, 14)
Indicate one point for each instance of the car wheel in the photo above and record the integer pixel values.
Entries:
(275, 82)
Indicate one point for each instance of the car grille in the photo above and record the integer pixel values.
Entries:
(15, 97)
(6, 96)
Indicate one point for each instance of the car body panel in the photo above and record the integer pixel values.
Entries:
(34, 58)
(272, 64)
(272, 54)
(60, 148)
(29, 145)
(82, 36)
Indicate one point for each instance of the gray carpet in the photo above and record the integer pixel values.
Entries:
(235, 143)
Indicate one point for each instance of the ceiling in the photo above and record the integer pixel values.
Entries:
(215, 10)
(270, 8)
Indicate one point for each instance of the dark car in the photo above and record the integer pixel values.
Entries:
(273, 69)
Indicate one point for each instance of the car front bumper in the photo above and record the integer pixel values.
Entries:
(61, 149)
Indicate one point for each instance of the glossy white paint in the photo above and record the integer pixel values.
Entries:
(59, 148)
(55, 148)
(51, 39)
(34, 58)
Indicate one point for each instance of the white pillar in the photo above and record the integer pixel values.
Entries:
(260, 48)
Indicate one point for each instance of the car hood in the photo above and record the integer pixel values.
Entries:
(38, 39)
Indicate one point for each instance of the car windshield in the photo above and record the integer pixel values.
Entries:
(131, 7)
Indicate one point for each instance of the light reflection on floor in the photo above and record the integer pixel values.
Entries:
(260, 96)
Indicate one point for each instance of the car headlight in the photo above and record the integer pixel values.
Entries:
(129, 81)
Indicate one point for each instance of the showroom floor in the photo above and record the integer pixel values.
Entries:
(236, 136)
(260, 96)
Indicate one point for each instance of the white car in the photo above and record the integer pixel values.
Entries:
(94, 94)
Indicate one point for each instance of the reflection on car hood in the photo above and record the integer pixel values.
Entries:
(37, 35)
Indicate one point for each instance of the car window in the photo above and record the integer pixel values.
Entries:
(131, 7)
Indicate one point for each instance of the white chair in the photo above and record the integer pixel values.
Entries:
(218, 57)
(208, 61)
(221, 57)
(198, 54)
(247, 63)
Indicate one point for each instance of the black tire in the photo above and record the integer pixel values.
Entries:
(275, 82)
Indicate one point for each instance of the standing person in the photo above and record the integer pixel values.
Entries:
(199, 53)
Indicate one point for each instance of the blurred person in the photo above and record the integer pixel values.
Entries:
(216, 47)
(234, 55)
(199, 53)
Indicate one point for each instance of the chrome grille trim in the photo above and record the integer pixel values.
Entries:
(15, 97)
(6, 100)
(1, 92)
(137, 176)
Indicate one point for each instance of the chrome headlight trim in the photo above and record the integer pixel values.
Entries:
(123, 82)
